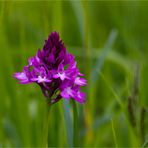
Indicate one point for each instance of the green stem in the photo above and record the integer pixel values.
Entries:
(114, 134)
(75, 124)
(45, 126)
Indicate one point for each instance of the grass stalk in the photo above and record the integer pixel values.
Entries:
(45, 126)
(75, 125)
(114, 133)
(68, 123)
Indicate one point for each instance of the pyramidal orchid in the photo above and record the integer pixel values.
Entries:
(55, 71)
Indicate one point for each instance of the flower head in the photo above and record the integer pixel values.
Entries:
(55, 71)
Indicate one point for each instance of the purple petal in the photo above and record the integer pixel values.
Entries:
(80, 97)
(66, 93)
(80, 81)
(21, 76)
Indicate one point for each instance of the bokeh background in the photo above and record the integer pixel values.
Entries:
(109, 40)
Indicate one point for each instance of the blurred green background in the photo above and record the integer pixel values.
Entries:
(109, 40)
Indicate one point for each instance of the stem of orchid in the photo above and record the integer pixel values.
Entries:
(75, 124)
(45, 126)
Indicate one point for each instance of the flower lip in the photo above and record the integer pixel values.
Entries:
(40, 79)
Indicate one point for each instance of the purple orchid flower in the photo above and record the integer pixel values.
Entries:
(55, 71)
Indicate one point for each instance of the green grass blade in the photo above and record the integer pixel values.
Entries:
(145, 144)
(75, 125)
(114, 133)
(102, 57)
(79, 13)
(68, 122)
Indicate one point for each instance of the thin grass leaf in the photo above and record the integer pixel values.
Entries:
(79, 13)
(75, 125)
(12, 133)
(68, 122)
(101, 58)
(123, 108)
(113, 91)
(145, 144)
(114, 133)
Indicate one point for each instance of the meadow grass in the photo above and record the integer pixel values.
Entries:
(109, 40)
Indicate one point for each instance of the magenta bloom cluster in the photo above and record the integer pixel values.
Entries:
(55, 71)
